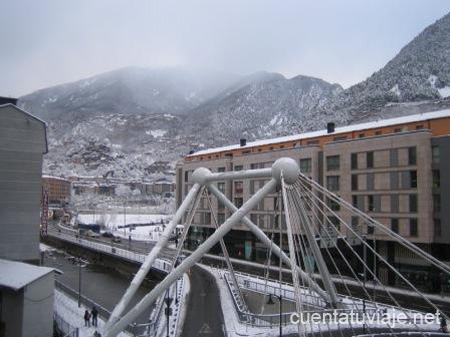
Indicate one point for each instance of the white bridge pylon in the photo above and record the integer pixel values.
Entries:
(309, 218)
(285, 169)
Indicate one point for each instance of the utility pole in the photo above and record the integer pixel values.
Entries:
(79, 282)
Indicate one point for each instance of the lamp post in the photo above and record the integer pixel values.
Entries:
(79, 282)
(280, 299)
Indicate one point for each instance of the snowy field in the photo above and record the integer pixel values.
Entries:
(113, 221)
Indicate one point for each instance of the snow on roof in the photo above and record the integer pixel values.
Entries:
(16, 275)
(53, 177)
(343, 129)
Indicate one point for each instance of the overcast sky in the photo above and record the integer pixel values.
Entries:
(46, 42)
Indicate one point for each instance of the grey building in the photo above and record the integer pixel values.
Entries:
(26, 300)
(23, 142)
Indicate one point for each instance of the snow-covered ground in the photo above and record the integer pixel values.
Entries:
(112, 222)
(67, 308)
(235, 328)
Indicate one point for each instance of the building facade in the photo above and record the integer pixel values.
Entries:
(58, 189)
(22, 145)
(393, 170)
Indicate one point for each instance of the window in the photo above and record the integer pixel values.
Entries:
(413, 203)
(413, 179)
(312, 142)
(437, 203)
(394, 225)
(436, 154)
(206, 219)
(221, 187)
(355, 201)
(220, 206)
(333, 163)
(378, 133)
(238, 187)
(370, 229)
(334, 221)
(354, 160)
(220, 218)
(412, 156)
(394, 203)
(186, 176)
(221, 169)
(370, 181)
(339, 138)
(361, 135)
(238, 167)
(238, 202)
(354, 182)
(333, 183)
(393, 157)
(369, 160)
(397, 130)
(437, 228)
(305, 165)
(436, 178)
(419, 127)
(370, 203)
(334, 206)
(413, 231)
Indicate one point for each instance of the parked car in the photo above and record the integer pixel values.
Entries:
(108, 235)
(116, 239)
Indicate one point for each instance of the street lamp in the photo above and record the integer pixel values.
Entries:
(270, 302)
(79, 282)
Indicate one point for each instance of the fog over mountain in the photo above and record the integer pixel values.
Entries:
(125, 120)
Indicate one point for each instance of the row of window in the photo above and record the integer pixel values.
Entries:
(333, 162)
(372, 203)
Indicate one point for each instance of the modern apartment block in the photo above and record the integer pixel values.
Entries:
(393, 169)
(59, 189)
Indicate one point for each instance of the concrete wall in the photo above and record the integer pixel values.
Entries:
(22, 143)
(12, 310)
(38, 307)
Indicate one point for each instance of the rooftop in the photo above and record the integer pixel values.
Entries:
(338, 130)
(16, 275)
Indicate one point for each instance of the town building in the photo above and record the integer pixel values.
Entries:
(26, 299)
(23, 142)
(58, 189)
(26, 290)
(392, 169)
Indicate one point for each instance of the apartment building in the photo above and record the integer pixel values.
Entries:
(59, 189)
(393, 170)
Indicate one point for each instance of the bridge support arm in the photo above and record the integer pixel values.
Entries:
(191, 260)
(268, 243)
(150, 259)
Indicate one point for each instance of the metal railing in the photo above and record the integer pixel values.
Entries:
(67, 329)
(88, 303)
(161, 265)
(263, 288)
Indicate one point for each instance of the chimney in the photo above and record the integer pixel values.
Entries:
(330, 127)
(243, 141)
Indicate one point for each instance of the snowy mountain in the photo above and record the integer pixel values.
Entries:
(263, 109)
(126, 120)
(419, 72)
(128, 91)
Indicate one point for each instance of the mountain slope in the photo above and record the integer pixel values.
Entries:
(128, 91)
(263, 109)
(420, 71)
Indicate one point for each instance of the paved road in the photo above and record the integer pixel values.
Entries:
(204, 315)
